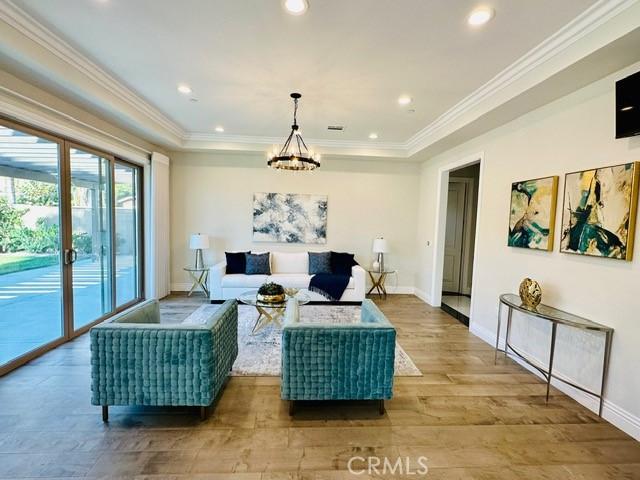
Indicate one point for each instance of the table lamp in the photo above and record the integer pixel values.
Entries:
(199, 242)
(380, 247)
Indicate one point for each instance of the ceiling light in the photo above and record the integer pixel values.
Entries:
(373, 136)
(296, 7)
(480, 16)
(219, 129)
(626, 109)
(184, 89)
(294, 154)
(404, 100)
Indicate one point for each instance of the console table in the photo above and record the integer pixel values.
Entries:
(556, 317)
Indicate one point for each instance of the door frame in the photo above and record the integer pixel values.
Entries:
(440, 226)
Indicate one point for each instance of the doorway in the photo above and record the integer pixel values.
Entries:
(459, 240)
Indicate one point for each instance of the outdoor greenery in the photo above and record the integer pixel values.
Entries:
(10, 224)
(18, 262)
(32, 192)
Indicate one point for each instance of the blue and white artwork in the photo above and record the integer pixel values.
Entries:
(289, 218)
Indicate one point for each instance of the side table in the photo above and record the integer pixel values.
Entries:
(378, 282)
(199, 277)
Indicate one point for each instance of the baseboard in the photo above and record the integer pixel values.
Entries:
(422, 295)
(180, 287)
(614, 414)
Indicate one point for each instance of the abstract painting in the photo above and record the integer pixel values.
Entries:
(289, 218)
(599, 213)
(533, 213)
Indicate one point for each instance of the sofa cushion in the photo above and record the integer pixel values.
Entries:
(341, 263)
(258, 264)
(319, 262)
(243, 281)
(289, 262)
(236, 262)
(291, 280)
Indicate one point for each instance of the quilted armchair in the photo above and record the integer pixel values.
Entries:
(353, 360)
(136, 360)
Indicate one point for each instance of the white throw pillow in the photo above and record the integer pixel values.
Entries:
(286, 262)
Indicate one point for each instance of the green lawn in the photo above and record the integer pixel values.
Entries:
(16, 262)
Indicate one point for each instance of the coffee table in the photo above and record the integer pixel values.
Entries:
(270, 312)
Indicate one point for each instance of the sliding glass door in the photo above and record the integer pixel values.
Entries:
(70, 240)
(31, 313)
(91, 227)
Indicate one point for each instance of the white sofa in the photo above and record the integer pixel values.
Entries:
(291, 270)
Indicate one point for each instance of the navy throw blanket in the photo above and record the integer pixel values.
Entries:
(329, 285)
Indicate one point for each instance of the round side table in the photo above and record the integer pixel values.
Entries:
(199, 277)
(378, 282)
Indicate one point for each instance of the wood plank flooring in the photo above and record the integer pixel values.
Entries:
(470, 418)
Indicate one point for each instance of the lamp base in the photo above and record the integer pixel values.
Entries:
(380, 262)
(199, 261)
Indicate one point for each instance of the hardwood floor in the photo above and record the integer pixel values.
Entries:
(470, 418)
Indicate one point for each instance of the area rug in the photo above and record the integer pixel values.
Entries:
(259, 354)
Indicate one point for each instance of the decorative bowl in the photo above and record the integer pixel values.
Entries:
(271, 298)
(530, 293)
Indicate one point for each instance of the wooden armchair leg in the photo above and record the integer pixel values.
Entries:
(292, 407)
(204, 411)
(381, 407)
(105, 413)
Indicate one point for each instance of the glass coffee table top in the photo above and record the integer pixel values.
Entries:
(251, 298)
(268, 312)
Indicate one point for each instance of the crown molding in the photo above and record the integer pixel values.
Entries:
(596, 15)
(19, 19)
(528, 70)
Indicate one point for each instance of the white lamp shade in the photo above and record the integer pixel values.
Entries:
(199, 240)
(380, 246)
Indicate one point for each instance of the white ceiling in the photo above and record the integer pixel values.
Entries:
(350, 59)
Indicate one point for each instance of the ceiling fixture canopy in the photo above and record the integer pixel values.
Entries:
(294, 154)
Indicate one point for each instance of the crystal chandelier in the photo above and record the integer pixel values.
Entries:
(294, 154)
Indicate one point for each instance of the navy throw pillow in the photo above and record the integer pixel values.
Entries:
(236, 262)
(258, 264)
(319, 262)
(341, 263)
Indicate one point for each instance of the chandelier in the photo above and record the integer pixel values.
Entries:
(294, 154)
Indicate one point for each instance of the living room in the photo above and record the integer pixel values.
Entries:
(224, 252)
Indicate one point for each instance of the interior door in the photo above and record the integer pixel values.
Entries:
(454, 236)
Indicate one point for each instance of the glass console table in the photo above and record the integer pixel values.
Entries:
(556, 317)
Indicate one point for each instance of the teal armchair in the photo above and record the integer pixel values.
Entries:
(339, 361)
(136, 360)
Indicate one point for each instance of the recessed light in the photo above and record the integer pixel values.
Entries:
(480, 16)
(626, 109)
(184, 89)
(295, 7)
(404, 100)
(219, 129)
(373, 136)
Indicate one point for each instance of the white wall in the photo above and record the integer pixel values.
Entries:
(213, 194)
(573, 133)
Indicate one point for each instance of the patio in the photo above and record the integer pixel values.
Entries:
(30, 303)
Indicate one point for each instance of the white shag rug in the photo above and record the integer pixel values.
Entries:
(259, 354)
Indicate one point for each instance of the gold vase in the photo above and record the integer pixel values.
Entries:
(530, 293)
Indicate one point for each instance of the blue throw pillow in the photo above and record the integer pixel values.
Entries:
(341, 263)
(236, 262)
(319, 262)
(257, 264)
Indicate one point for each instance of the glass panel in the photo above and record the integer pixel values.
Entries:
(91, 236)
(30, 266)
(127, 241)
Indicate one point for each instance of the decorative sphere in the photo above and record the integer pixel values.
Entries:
(530, 293)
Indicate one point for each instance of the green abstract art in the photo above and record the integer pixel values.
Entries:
(599, 213)
(533, 213)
